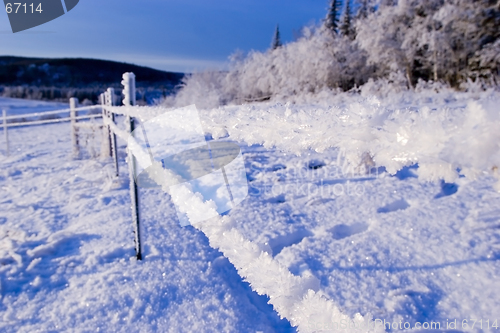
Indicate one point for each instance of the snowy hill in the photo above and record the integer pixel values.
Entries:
(76, 72)
(59, 79)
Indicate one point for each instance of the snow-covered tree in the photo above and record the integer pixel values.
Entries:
(485, 63)
(426, 39)
(457, 32)
(364, 8)
(276, 39)
(332, 16)
(346, 27)
(385, 37)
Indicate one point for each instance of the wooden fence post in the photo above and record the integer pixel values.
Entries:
(110, 101)
(106, 138)
(128, 83)
(5, 133)
(73, 102)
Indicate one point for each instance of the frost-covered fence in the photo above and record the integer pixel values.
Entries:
(109, 137)
(74, 135)
(49, 117)
(80, 131)
(128, 83)
(112, 131)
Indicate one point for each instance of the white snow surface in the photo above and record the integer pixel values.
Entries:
(402, 223)
(443, 133)
(67, 252)
(16, 106)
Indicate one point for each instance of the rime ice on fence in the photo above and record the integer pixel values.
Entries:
(107, 100)
(16, 121)
(73, 102)
(128, 83)
(106, 135)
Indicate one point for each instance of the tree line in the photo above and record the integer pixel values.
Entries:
(438, 40)
(404, 42)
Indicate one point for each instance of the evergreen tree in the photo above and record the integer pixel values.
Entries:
(276, 39)
(332, 17)
(365, 7)
(346, 27)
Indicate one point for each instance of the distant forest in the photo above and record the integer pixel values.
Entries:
(61, 79)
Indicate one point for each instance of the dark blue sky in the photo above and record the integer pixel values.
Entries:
(177, 35)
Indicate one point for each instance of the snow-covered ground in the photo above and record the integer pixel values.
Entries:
(15, 106)
(67, 253)
(402, 247)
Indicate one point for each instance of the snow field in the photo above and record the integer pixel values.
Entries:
(416, 240)
(404, 250)
(430, 139)
(15, 106)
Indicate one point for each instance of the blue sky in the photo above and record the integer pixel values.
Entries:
(177, 35)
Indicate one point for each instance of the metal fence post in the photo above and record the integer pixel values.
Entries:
(73, 102)
(5, 133)
(128, 83)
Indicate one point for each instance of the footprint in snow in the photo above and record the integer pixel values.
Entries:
(341, 231)
(394, 206)
(280, 242)
(446, 189)
(315, 164)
